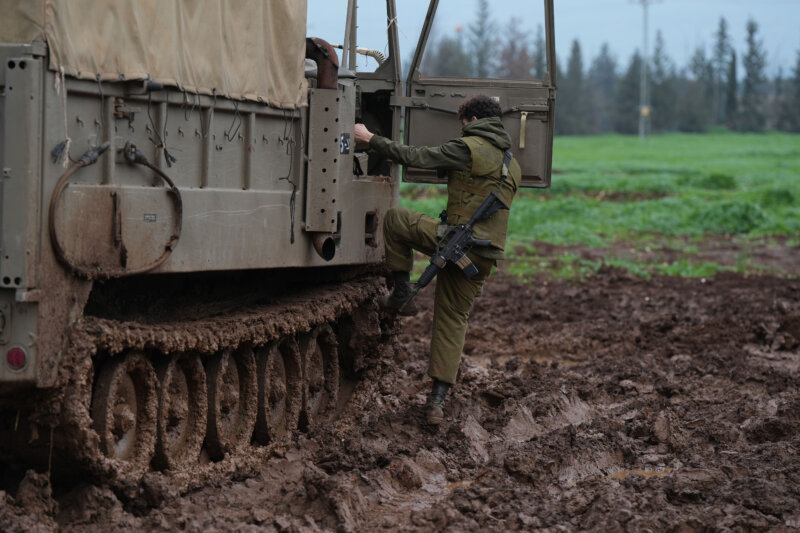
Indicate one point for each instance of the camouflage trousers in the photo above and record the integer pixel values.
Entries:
(404, 231)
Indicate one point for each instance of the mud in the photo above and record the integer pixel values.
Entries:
(613, 404)
(769, 255)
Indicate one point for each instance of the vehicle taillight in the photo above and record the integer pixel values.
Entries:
(16, 358)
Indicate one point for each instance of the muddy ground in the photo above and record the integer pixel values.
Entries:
(612, 404)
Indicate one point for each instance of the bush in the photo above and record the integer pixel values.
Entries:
(776, 198)
(715, 181)
(729, 217)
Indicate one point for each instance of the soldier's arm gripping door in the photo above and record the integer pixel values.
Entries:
(516, 65)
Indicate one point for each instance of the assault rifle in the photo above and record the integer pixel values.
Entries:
(456, 242)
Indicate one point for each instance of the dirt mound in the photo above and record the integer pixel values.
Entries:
(612, 404)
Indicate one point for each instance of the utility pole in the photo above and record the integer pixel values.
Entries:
(644, 104)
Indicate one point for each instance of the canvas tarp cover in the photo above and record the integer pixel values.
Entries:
(252, 49)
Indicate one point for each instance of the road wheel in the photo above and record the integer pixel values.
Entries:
(321, 378)
(182, 411)
(280, 391)
(124, 406)
(232, 401)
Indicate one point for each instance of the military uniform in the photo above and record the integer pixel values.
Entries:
(472, 165)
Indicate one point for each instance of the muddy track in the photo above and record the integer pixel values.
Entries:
(111, 432)
(614, 404)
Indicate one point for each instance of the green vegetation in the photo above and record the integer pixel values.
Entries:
(656, 207)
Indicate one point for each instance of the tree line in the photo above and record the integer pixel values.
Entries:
(708, 92)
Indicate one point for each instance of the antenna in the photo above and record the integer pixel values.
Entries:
(644, 100)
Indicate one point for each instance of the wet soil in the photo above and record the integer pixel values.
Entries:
(610, 404)
(773, 255)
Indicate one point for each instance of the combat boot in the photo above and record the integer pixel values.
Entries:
(434, 412)
(393, 303)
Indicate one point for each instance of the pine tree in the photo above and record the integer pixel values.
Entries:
(482, 41)
(663, 96)
(539, 54)
(602, 80)
(751, 116)
(515, 61)
(571, 95)
(789, 119)
(776, 100)
(695, 113)
(626, 98)
(722, 51)
(447, 58)
(731, 93)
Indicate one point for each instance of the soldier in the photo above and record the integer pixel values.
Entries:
(472, 165)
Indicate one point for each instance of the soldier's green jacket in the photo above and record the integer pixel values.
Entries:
(472, 165)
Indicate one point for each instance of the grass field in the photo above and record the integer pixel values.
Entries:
(675, 204)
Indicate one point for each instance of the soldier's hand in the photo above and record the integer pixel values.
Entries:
(362, 134)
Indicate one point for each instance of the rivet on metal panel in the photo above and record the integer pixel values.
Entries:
(6, 172)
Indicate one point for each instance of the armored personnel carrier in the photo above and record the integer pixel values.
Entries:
(190, 243)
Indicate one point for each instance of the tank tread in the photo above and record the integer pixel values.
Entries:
(112, 364)
(258, 324)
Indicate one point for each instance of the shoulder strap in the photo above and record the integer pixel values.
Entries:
(504, 171)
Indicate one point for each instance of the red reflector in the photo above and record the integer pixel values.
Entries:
(16, 358)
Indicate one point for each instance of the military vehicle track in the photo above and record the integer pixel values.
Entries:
(194, 398)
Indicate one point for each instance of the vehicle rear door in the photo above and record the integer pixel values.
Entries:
(496, 49)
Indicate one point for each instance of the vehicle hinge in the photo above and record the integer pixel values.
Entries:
(405, 101)
(417, 103)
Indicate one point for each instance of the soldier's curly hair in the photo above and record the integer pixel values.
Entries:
(480, 106)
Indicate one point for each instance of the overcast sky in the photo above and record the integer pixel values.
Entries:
(685, 24)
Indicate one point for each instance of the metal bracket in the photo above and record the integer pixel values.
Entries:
(121, 110)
